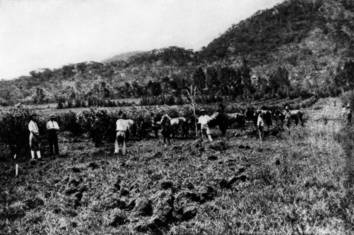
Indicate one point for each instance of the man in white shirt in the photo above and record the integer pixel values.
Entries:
(122, 126)
(34, 138)
(52, 130)
(260, 125)
(203, 120)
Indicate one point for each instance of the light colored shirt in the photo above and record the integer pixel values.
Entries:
(52, 125)
(123, 124)
(203, 121)
(287, 114)
(260, 121)
(176, 121)
(33, 127)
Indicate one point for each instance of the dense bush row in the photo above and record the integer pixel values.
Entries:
(179, 100)
(99, 125)
(90, 102)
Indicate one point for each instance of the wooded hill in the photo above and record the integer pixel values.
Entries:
(298, 47)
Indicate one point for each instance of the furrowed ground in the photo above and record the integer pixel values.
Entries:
(297, 182)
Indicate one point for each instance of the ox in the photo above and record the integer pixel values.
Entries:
(296, 116)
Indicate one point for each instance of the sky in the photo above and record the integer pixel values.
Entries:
(38, 34)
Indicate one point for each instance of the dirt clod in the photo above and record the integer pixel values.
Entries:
(14, 212)
(218, 146)
(116, 218)
(166, 185)
(124, 192)
(93, 165)
(244, 147)
(76, 170)
(207, 193)
(212, 158)
(163, 207)
(34, 203)
(189, 213)
(113, 201)
(143, 207)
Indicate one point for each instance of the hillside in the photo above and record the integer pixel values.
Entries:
(304, 43)
(308, 37)
(92, 78)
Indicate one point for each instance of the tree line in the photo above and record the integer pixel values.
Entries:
(215, 83)
(220, 79)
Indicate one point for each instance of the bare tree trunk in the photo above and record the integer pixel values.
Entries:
(191, 95)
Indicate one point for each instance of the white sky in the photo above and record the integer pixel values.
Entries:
(50, 33)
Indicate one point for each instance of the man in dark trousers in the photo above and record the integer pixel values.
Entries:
(52, 130)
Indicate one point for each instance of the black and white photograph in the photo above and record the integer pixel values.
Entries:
(176, 117)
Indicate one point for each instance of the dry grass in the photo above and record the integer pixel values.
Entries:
(295, 183)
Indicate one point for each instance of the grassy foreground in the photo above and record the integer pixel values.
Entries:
(297, 182)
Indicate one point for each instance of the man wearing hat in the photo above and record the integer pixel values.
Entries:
(34, 137)
(52, 130)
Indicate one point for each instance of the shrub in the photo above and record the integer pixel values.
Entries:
(14, 131)
(173, 113)
(100, 125)
(69, 122)
(91, 102)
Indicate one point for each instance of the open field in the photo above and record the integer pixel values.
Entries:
(293, 182)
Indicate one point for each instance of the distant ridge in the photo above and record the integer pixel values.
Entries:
(122, 57)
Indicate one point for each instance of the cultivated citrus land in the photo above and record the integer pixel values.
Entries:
(290, 183)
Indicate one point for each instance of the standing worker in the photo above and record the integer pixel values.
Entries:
(287, 117)
(122, 127)
(166, 129)
(34, 138)
(260, 125)
(203, 120)
(52, 129)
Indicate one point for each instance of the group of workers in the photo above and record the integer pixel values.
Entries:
(123, 126)
(52, 127)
